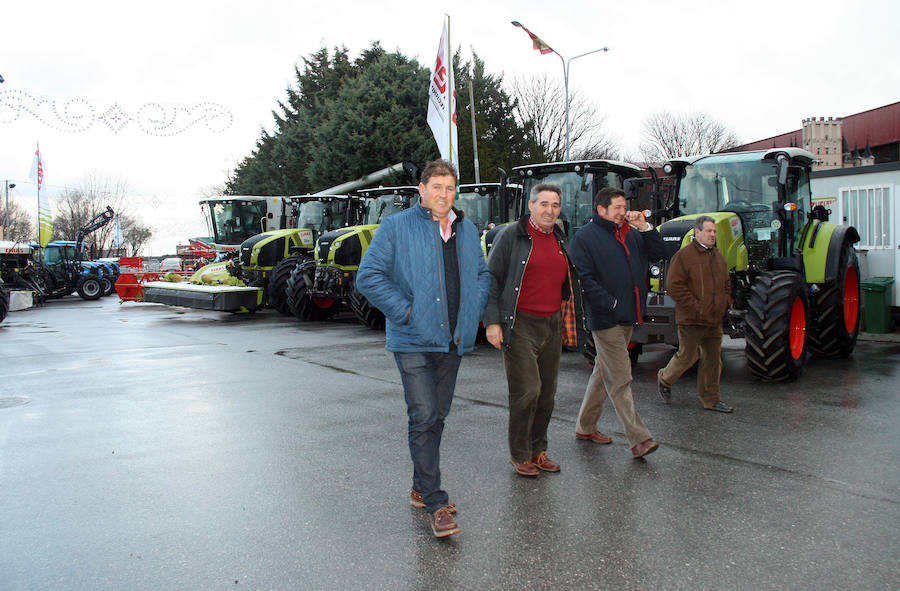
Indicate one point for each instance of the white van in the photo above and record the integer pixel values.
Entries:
(171, 264)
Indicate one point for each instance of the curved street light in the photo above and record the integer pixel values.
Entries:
(544, 48)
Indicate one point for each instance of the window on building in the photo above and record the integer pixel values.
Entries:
(868, 209)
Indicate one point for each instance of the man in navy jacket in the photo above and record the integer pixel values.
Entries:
(611, 256)
(425, 270)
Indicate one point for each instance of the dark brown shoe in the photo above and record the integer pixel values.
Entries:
(416, 500)
(648, 446)
(443, 523)
(596, 437)
(524, 468)
(544, 463)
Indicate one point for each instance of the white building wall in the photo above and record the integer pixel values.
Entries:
(869, 199)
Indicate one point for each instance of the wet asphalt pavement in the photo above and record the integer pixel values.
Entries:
(146, 447)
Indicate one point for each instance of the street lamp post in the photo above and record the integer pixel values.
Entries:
(540, 45)
(6, 219)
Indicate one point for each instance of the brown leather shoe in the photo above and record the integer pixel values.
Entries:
(648, 446)
(416, 500)
(524, 468)
(596, 437)
(443, 524)
(544, 463)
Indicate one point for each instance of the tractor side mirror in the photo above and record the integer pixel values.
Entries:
(783, 165)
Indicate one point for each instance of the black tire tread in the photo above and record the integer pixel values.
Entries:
(828, 336)
(365, 312)
(297, 296)
(278, 280)
(767, 326)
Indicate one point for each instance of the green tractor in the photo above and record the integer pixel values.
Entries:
(319, 289)
(264, 262)
(795, 276)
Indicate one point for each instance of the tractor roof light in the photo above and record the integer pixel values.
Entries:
(790, 207)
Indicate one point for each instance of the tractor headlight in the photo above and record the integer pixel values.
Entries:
(668, 168)
(654, 270)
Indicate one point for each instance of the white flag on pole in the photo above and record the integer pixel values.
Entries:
(45, 219)
(118, 237)
(442, 101)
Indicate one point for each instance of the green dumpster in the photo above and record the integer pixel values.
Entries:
(877, 294)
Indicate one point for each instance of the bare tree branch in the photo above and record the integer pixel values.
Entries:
(541, 110)
(21, 229)
(77, 205)
(668, 135)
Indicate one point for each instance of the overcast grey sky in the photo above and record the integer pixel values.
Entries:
(758, 67)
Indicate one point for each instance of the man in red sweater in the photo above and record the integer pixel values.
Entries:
(531, 285)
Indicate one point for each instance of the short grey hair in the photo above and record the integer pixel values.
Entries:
(538, 189)
(698, 223)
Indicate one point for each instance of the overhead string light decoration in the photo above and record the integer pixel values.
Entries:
(78, 115)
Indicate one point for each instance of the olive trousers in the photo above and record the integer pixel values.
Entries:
(705, 343)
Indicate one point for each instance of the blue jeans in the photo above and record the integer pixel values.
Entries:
(428, 383)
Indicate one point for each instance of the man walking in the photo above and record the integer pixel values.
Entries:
(531, 282)
(611, 257)
(698, 281)
(426, 272)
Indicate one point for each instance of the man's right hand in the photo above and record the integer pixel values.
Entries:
(494, 335)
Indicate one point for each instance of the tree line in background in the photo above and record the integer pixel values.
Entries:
(344, 118)
(75, 207)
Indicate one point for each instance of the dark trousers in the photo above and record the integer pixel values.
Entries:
(531, 359)
(429, 380)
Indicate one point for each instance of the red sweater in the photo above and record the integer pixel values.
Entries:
(545, 273)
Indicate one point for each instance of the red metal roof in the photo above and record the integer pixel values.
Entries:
(878, 127)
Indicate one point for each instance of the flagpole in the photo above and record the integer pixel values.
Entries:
(450, 94)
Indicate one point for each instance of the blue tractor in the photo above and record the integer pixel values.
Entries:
(66, 270)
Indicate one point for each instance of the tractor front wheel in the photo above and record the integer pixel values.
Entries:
(89, 287)
(297, 294)
(278, 281)
(364, 311)
(777, 318)
(834, 317)
(107, 286)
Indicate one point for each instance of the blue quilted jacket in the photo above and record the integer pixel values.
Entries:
(402, 274)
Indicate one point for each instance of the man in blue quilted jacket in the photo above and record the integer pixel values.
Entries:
(426, 272)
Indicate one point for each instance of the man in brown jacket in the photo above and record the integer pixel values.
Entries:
(698, 281)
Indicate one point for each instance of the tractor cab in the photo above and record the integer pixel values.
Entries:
(322, 213)
(234, 219)
(579, 181)
(767, 190)
(488, 204)
(383, 201)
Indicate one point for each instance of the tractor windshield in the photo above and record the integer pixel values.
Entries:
(321, 216)
(235, 221)
(382, 206)
(481, 208)
(577, 194)
(748, 187)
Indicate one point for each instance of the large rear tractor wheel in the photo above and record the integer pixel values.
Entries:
(777, 318)
(89, 287)
(364, 311)
(297, 294)
(278, 281)
(834, 310)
